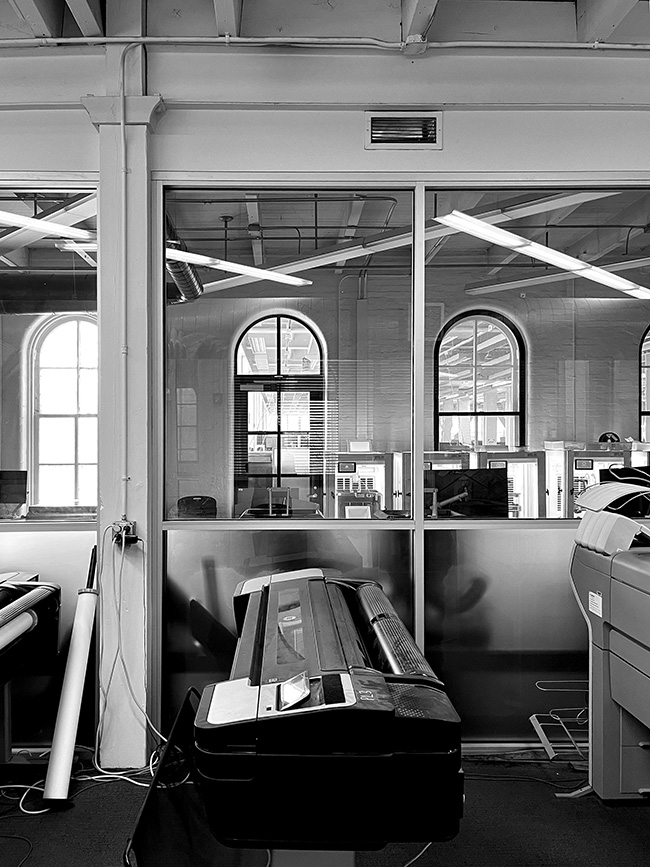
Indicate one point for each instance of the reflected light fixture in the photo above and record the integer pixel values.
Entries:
(222, 265)
(45, 227)
(75, 246)
(494, 235)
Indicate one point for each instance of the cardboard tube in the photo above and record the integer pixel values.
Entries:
(57, 780)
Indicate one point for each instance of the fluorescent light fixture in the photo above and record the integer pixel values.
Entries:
(45, 227)
(494, 235)
(75, 246)
(526, 282)
(222, 265)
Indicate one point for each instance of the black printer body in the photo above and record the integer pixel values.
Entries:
(333, 732)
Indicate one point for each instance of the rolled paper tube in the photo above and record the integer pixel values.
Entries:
(17, 627)
(57, 781)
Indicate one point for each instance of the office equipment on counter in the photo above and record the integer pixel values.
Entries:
(610, 577)
(332, 732)
(29, 638)
(13, 493)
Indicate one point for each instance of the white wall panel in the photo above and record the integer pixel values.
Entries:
(38, 76)
(483, 142)
(233, 76)
(47, 141)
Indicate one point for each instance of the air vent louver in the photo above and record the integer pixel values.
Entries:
(404, 130)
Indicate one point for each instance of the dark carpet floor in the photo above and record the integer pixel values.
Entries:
(512, 819)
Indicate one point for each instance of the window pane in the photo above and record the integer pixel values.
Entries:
(353, 386)
(262, 454)
(262, 410)
(471, 431)
(295, 411)
(87, 441)
(56, 486)
(257, 351)
(187, 437)
(185, 395)
(87, 344)
(299, 349)
(295, 453)
(456, 389)
(88, 391)
(187, 414)
(58, 391)
(56, 441)
(59, 349)
(87, 485)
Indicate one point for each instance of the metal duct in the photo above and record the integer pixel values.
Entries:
(184, 275)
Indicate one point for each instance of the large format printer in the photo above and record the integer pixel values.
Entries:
(332, 732)
(29, 637)
(610, 575)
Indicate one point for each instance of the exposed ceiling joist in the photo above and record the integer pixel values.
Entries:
(88, 15)
(416, 17)
(228, 15)
(558, 217)
(464, 201)
(403, 236)
(596, 20)
(43, 17)
(598, 243)
(73, 212)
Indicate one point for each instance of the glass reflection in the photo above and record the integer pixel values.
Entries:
(289, 387)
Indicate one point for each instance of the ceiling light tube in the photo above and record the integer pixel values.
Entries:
(614, 281)
(480, 229)
(494, 235)
(45, 227)
(75, 246)
(223, 265)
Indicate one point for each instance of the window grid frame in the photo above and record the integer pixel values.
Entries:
(513, 335)
(35, 414)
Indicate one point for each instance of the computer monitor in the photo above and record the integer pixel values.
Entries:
(471, 493)
(13, 492)
(13, 486)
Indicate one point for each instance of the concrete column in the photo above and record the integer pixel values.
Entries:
(128, 451)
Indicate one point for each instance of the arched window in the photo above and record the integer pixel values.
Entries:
(279, 418)
(479, 381)
(645, 392)
(64, 413)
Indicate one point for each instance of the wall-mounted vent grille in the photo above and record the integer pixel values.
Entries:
(399, 129)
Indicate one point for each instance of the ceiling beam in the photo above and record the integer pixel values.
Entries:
(504, 258)
(598, 243)
(88, 15)
(403, 236)
(43, 17)
(596, 20)
(228, 16)
(462, 201)
(416, 17)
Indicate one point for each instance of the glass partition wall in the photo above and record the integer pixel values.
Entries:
(48, 363)
(290, 412)
(289, 369)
